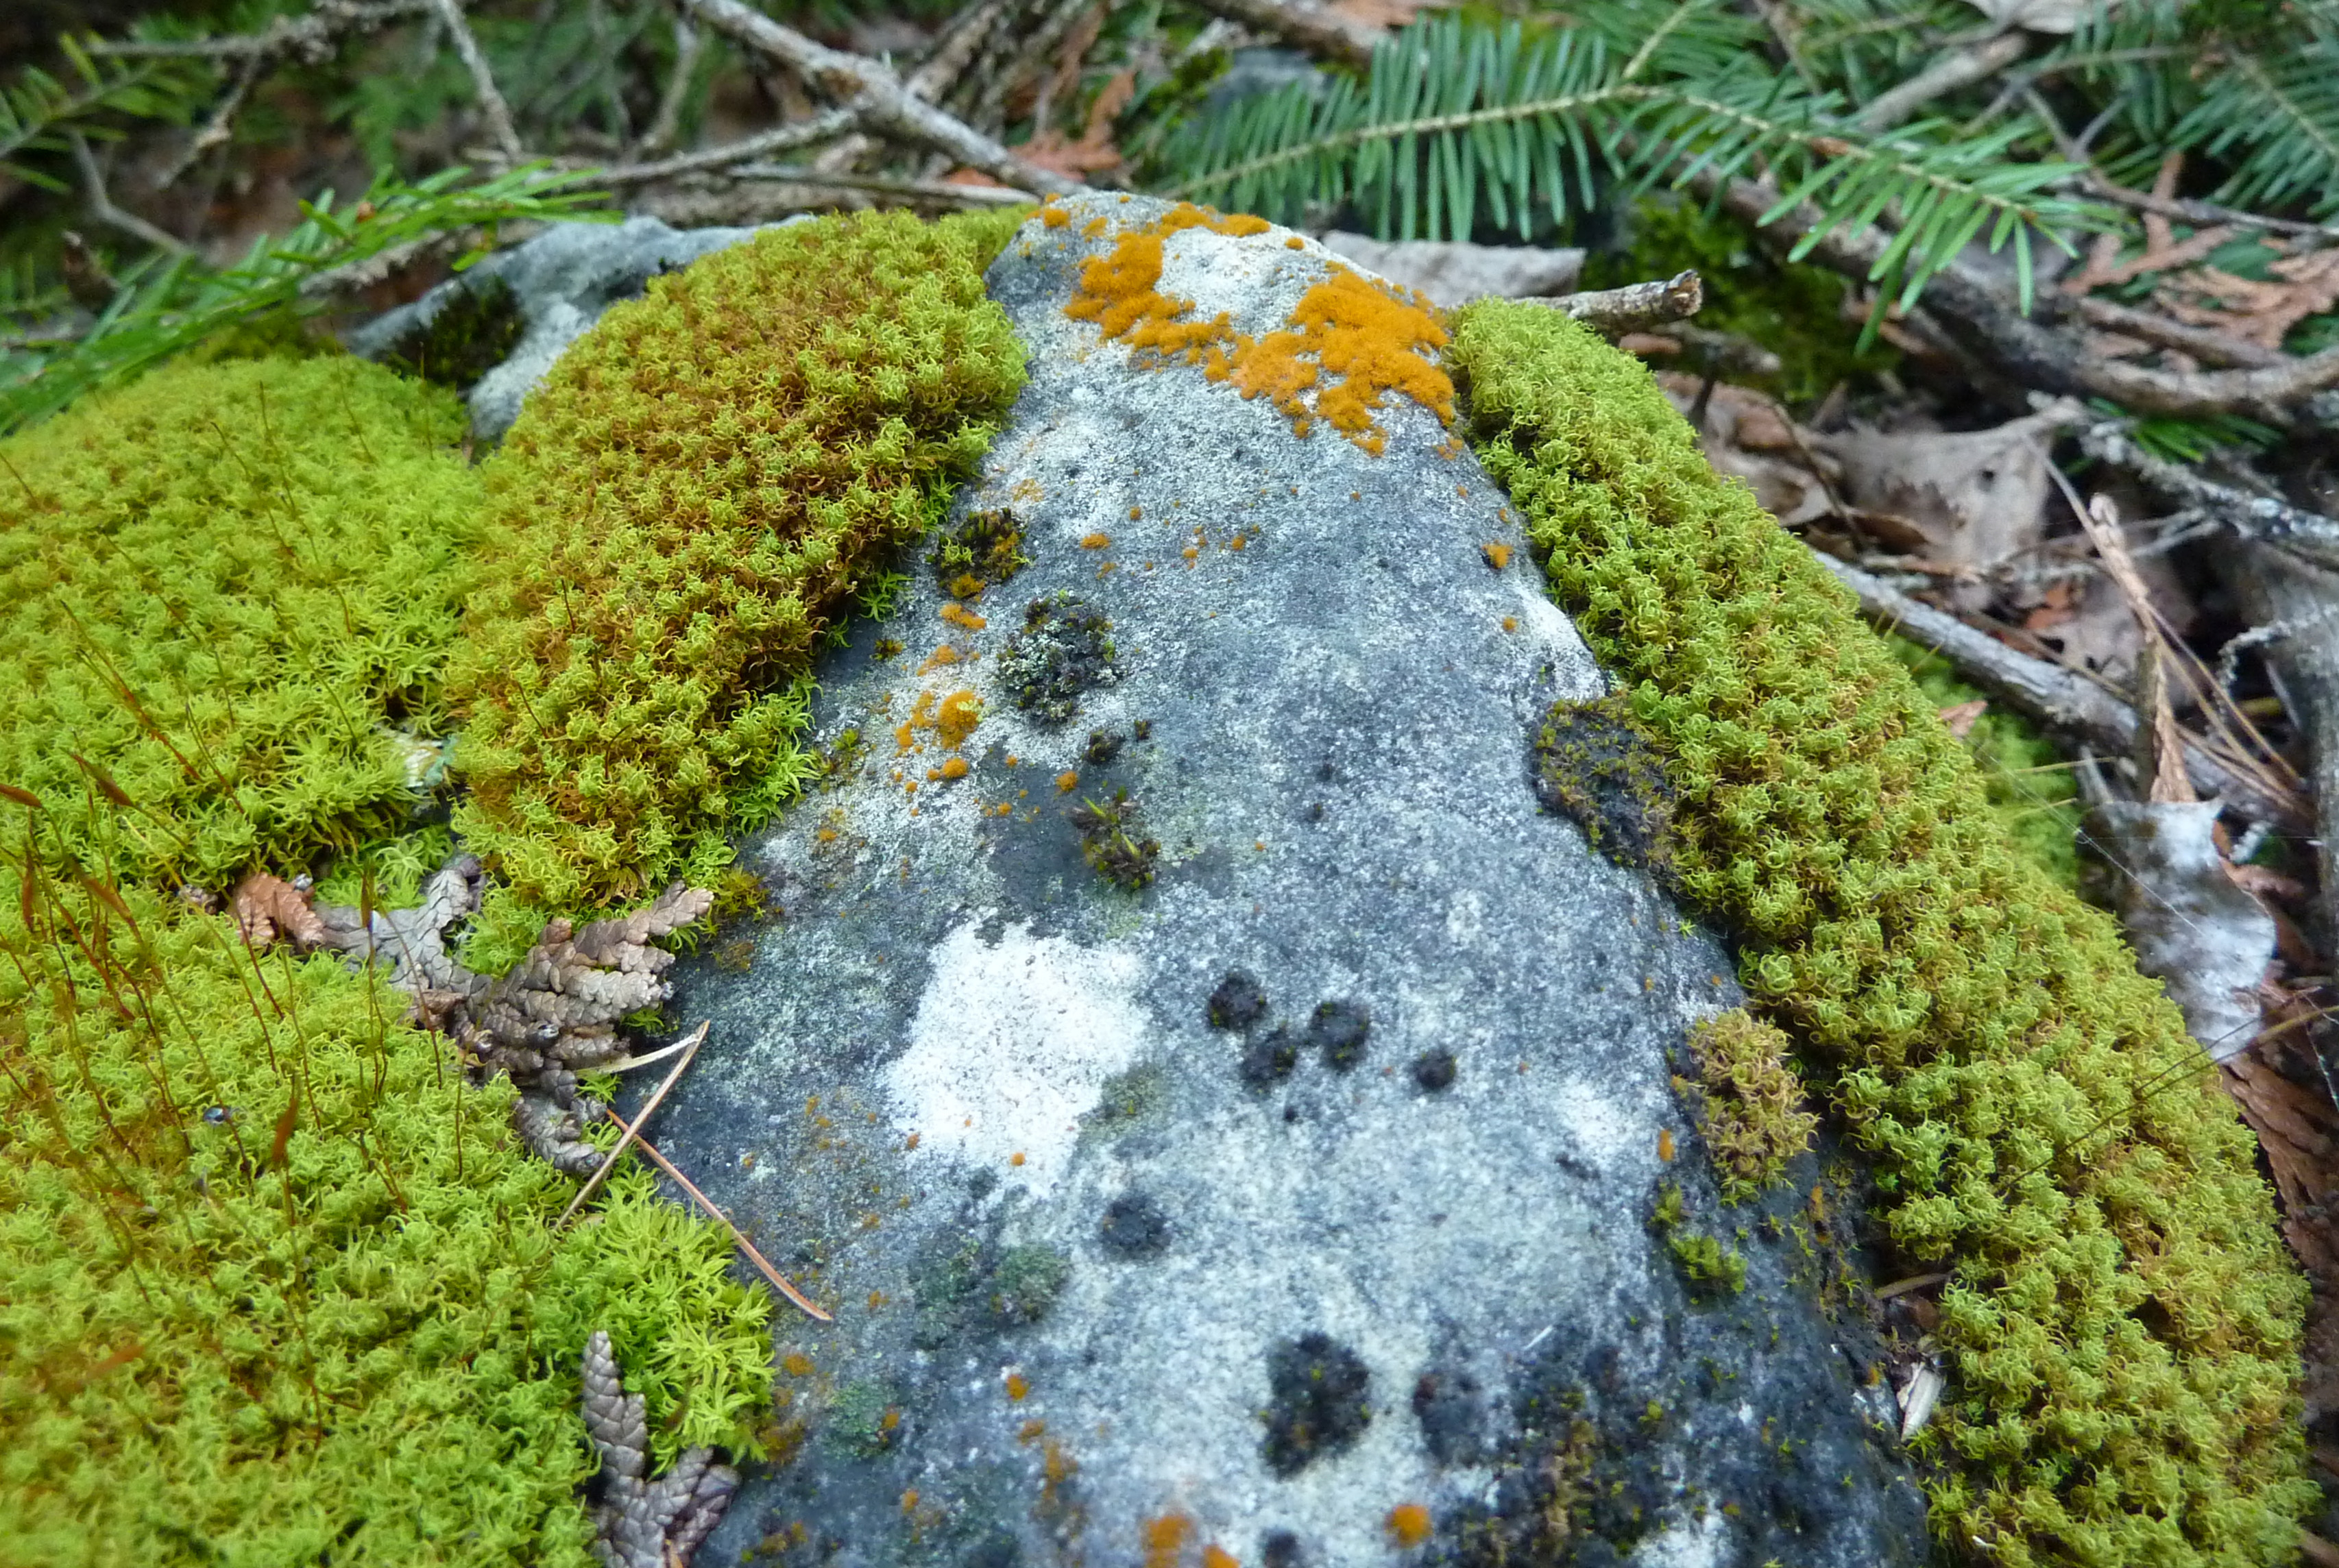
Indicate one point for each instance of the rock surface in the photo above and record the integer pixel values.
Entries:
(1454, 273)
(561, 281)
(1296, 1205)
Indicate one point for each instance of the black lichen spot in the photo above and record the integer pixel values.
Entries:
(984, 550)
(1113, 841)
(1134, 1226)
(1064, 648)
(1338, 1030)
(1447, 1404)
(1239, 1003)
(1268, 1060)
(996, 1550)
(1103, 746)
(472, 333)
(1280, 1549)
(1434, 1069)
(1320, 1401)
(1593, 764)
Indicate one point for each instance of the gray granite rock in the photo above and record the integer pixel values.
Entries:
(560, 281)
(1313, 1180)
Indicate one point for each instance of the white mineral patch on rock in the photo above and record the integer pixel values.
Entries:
(1010, 1045)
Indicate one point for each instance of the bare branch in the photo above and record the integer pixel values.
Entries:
(688, 43)
(889, 110)
(492, 106)
(2059, 698)
(780, 138)
(1634, 308)
(2145, 326)
(1304, 25)
(102, 207)
(2310, 535)
(877, 185)
(219, 126)
(959, 43)
(312, 38)
(1948, 72)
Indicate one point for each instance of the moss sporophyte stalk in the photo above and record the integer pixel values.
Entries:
(2122, 1323)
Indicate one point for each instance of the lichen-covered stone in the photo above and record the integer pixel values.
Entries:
(1102, 1286)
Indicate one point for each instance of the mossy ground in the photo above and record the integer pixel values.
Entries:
(276, 1284)
(2122, 1322)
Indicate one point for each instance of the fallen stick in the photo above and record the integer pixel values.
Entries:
(1315, 28)
(689, 1049)
(745, 1245)
(2057, 698)
(1634, 308)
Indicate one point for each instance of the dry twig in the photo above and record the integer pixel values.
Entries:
(1304, 25)
(492, 107)
(592, 1183)
(1634, 308)
(745, 1245)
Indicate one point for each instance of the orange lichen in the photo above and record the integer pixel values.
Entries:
(1239, 541)
(956, 768)
(1510, 623)
(911, 1143)
(1164, 1538)
(1016, 1158)
(1095, 541)
(1294, 243)
(1055, 217)
(1497, 556)
(1217, 1556)
(796, 1364)
(910, 1501)
(1349, 339)
(1017, 1387)
(960, 713)
(1666, 1144)
(890, 1420)
(1408, 1525)
(944, 654)
(960, 615)
(1031, 1430)
(1067, 780)
(876, 1300)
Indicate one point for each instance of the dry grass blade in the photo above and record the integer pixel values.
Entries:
(592, 1184)
(745, 1245)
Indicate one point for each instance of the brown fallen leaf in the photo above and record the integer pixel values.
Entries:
(267, 907)
(1959, 716)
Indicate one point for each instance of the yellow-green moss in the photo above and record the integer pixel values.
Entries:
(2122, 1322)
(227, 586)
(275, 1283)
(1750, 1103)
(685, 506)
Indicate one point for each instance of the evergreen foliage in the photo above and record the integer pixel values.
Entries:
(686, 507)
(222, 589)
(2122, 1321)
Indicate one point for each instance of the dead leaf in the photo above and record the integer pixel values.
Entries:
(1979, 497)
(1959, 716)
(1095, 150)
(1744, 432)
(2054, 608)
(267, 907)
(2279, 1087)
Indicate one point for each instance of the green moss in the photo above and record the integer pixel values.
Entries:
(472, 333)
(275, 1280)
(2030, 789)
(2122, 1322)
(685, 506)
(228, 587)
(1749, 1101)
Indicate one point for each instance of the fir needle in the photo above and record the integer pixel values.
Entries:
(690, 1048)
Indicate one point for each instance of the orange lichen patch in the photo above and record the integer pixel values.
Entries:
(796, 1364)
(1017, 1387)
(910, 786)
(876, 1300)
(1510, 623)
(1016, 1158)
(1217, 1556)
(1294, 243)
(944, 654)
(1164, 1538)
(1666, 1144)
(1055, 217)
(1093, 227)
(955, 720)
(1366, 336)
(1461, 489)
(1239, 541)
(1497, 556)
(890, 1420)
(1192, 554)
(1408, 1525)
(1095, 541)
(1135, 513)
(1031, 1430)
(911, 1143)
(958, 615)
(1067, 780)
(956, 768)
(910, 1501)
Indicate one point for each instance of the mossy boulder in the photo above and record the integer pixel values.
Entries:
(1277, 1305)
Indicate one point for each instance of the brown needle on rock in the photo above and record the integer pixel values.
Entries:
(689, 1049)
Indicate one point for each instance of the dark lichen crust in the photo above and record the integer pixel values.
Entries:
(1593, 764)
(471, 333)
(2122, 1324)
(980, 553)
(1320, 1401)
(1063, 648)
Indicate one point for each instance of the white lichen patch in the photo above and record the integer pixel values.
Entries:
(1010, 1043)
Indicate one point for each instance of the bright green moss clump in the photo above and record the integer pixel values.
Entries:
(231, 588)
(2123, 1323)
(685, 508)
(232, 1331)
